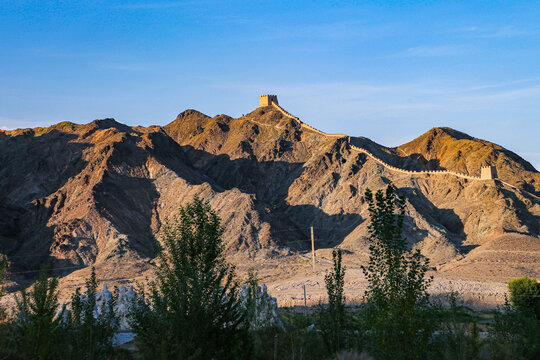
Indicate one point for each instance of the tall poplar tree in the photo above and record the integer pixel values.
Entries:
(192, 312)
(397, 302)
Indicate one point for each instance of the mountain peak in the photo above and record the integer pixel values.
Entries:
(190, 113)
(437, 131)
(108, 123)
(457, 151)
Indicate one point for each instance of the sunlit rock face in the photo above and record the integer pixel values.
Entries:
(126, 299)
(261, 307)
(120, 306)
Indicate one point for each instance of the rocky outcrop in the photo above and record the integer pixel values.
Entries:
(260, 307)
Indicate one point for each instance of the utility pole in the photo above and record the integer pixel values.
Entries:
(305, 303)
(275, 347)
(313, 248)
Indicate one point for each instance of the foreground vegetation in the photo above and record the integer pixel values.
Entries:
(192, 310)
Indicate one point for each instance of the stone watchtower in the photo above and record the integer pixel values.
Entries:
(267, 100)
(488, 172)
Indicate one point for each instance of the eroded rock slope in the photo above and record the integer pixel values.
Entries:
(76, 195)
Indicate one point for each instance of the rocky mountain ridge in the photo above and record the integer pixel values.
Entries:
(79, 195)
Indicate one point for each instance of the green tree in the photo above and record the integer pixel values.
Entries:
(193, 310)
(525, 295)
(90, 331)
(38, 333)
(3, 269)
(459, 334)
(333, 318)
(396, 313)
(4, 326)
(8, 349)
(335, 281)
(514, 334)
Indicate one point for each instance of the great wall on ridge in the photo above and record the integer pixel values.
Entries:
(486, 172)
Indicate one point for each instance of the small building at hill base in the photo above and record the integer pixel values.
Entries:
(488, 172)
(267, 100)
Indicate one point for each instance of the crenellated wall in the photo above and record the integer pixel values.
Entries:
(413, 172)
(386, 165)
(286, 113)
(486, 172)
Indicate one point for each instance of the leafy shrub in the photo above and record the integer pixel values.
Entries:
(459, 337)
(514, 334)
(300, 340)
(525, 295)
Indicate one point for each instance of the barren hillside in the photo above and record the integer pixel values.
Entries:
(97, 194)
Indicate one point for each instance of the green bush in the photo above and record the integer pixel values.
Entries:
(514, 334)
(300, 340)
(192, 311)
(525, 295)
(459, 336)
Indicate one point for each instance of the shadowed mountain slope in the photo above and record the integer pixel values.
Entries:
(76, 195)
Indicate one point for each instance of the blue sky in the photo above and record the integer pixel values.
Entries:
(387, 70)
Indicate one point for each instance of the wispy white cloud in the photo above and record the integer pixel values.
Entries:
(432, 51)
(55, 54)
(158, 4)
(332, 30)
(502, 95)
(401, 96)
(503, 84)
(124, 67)
(508, 31)
(468, 29)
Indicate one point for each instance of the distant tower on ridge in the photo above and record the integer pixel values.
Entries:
(488, 172)
(266, 100)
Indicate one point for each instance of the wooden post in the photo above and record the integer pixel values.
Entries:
(305, 302)
(313, 248)
(275, 348)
